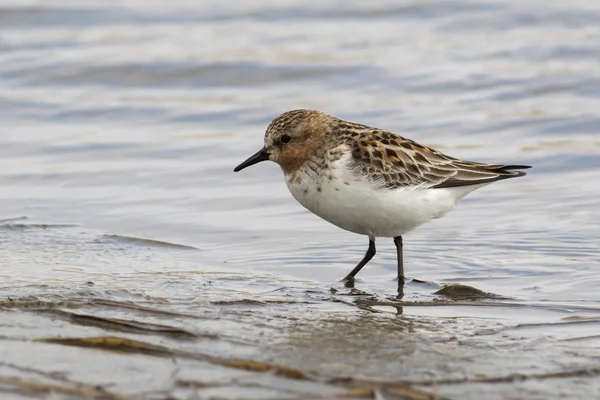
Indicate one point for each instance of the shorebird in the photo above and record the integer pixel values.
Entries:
(367, 180)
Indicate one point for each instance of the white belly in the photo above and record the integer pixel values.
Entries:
(356, 206)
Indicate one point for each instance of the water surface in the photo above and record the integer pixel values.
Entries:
(122, 122)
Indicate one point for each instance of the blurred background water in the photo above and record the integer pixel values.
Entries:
(122, 122)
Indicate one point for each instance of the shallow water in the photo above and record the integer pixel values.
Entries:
(122, 122)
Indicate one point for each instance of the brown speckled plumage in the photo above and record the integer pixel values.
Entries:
(385, 158)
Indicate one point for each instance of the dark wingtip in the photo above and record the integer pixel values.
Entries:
(502, 171)
(512, 170)
(509, 167)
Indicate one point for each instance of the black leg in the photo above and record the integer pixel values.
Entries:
(368, 255)
(398, 243)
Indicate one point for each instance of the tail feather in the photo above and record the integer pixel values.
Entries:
(509, 167)
(494, 173)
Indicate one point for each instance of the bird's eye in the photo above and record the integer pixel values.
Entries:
(285, 139)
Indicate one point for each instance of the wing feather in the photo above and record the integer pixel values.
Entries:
(392, 162)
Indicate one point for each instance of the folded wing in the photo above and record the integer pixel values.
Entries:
(390, 161)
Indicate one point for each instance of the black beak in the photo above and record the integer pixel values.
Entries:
(261, 155)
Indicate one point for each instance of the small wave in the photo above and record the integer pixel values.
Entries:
(15, 227)
(147, 242)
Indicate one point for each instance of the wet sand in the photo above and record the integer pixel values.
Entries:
(135, 264)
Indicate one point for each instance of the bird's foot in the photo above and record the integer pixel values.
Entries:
(348, 281)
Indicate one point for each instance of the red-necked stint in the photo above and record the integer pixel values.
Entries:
(367, 180)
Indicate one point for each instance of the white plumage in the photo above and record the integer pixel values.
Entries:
(356, 205)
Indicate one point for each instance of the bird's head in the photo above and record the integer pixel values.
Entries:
(291, 138)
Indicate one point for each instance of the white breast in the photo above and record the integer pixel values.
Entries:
(355, 205)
